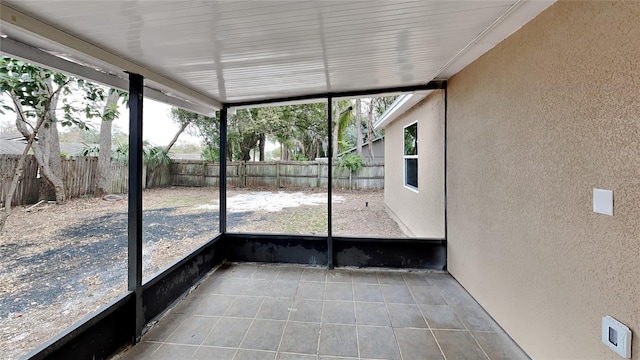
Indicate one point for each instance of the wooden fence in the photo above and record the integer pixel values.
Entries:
(277, 174)
(78, 175)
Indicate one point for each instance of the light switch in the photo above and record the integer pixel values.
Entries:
(603, 201)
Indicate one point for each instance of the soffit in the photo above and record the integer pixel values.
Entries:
(215, 52)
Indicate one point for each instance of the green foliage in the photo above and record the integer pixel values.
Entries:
(205, 127)
(210, 154)
(33, 90)
(353, 162)
(89, 150)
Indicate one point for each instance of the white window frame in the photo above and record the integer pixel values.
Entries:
(405, 157)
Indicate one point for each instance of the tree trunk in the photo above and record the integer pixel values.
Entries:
(359, 126)
(183, 126)
(42, 150)
(104, 152)
(370, 128)
(51, 148)
(334, 136)
(261, 145)
(19, 166)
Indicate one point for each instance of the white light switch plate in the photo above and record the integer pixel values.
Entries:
(603, 201)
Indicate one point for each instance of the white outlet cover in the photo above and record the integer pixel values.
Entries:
(603, 201)
(616, 336)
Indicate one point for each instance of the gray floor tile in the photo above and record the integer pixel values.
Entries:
(310, 290)
(390, 278)
(264, 335)
(245, 306)
(406, 316)
(499, 346)
(209, 285)
(364, 277)
(442, 280)
(290, 356)
(441, 317)
(142, 350)
(338, 340)
(321, 357)
(458, 345)
(338, 291)
(417, 344)
(377, 343)
(367, 292)
(172, 352)
(165, 327)
(228, 332)
(215, 305)
(266, 272)
(372, 314)
(416, 279)
(257, 287)
(339, 276)
(230, 286)
(284, 289)
(457, 296)
(290, 274)
(193, 330)
(476, 319)
(314, 274)
(306, 310)
(275, 309)
(213, 353)
(300, 338)
(338, 312)
(190, 304)
(242, 271)
(224, 270)
(429, 295)
(243, 354)
(397, 294)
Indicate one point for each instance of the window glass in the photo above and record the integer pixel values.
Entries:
(411, 156)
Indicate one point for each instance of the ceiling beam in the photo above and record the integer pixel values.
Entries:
(32, 55)
(431, 85)
(25, 22)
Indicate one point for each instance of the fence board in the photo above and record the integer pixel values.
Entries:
(27, 189)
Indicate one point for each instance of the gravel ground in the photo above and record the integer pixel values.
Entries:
(60, 263)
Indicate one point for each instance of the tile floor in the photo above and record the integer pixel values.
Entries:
(249, 311)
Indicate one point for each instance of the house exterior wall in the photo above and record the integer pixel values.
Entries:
(532, 127)
(419, 214)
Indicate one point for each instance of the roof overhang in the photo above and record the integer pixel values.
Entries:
(208, 54)
(401, 105)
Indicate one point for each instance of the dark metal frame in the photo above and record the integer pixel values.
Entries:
(120, 323)
(136, 87)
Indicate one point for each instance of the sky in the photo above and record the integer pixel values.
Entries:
(157, 125)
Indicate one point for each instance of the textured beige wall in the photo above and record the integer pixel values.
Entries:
(533, 126)
(419, 214)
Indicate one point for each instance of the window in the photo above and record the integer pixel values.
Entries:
(411, 156)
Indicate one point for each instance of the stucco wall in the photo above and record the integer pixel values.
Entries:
(533, 126)
(419, 214)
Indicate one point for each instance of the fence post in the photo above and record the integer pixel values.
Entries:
(319, 166)
(204, 173)
(277, 174)
(350, 180)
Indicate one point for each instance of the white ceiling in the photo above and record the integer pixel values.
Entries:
(212, 52)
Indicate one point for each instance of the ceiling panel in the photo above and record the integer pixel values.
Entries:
(251, 50)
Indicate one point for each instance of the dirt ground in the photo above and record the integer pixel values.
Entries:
(60, 263)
